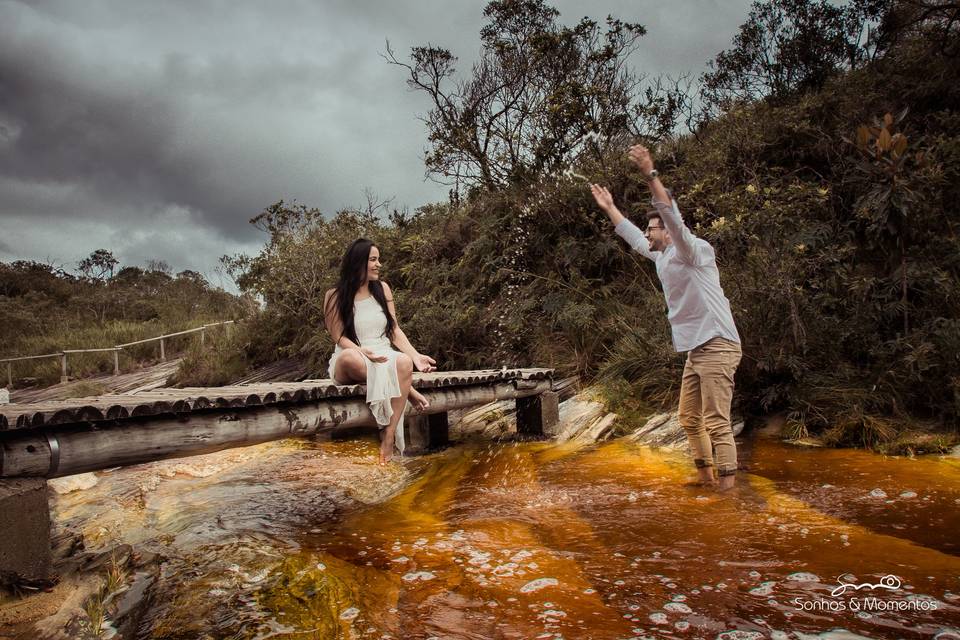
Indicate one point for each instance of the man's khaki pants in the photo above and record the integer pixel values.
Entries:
(705, 397)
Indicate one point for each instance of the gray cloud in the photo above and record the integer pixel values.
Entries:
(157, 130)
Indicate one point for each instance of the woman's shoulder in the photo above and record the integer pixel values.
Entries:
(387, 292)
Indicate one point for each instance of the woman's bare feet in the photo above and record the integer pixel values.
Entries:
(419, 402)
(384, 459)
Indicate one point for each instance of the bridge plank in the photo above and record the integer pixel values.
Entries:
(157, 401)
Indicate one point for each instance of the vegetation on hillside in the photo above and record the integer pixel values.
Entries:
(826, 178)
(819, 155)
(45, 309)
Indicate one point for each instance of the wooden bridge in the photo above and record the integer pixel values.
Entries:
(58, 438)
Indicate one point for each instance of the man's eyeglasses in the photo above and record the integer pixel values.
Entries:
(649, 229)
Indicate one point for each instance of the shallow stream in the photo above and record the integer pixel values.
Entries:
(533, 540)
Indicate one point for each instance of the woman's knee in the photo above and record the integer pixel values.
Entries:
(351, 364)
(404, 365)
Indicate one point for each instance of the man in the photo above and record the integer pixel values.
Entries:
(700, 322)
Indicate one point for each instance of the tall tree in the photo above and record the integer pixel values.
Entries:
(787, 46)
(540, 94)
(99, 265)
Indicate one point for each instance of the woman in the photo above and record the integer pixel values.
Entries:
(361, 319)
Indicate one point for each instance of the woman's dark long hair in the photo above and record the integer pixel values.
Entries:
(353, 269)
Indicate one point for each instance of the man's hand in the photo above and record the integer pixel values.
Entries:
(602, 196)
(423, 363)
(372, 356)
(605, 202)
(641, 157)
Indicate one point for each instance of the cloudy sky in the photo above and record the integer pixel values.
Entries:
(158, 129)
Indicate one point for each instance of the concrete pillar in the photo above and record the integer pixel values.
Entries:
(24, 529)
(538, 415)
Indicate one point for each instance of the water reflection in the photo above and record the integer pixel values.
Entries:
(508, 540)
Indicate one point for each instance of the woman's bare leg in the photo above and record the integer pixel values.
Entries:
(418, 400)
(351, 367)
(405, 378)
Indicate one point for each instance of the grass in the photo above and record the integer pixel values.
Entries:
(82, 365)
(219, 361)
(113, 583)
(86, 389)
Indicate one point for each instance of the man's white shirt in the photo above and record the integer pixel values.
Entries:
(697, 308)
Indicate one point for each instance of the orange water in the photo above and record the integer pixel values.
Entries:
(547, 541)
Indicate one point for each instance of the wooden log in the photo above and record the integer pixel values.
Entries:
(156, 401)
(110, 444)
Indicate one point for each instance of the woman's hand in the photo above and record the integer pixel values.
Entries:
(372, 356)
(424, 364)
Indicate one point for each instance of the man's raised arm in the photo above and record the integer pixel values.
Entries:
(621, 225)
(682, 237)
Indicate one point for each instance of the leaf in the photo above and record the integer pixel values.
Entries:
(887, 120)
(899, 144)
(883, 142)
(863, 136)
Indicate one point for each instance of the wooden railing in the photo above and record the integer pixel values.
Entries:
(115, 349)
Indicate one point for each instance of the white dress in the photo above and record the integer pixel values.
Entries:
(383, 384)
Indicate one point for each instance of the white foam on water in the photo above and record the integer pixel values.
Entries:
(802, 576)
(350, 614)
(539, 583)
(765, 588)
(552, 613)
(878, 493)
(739, 634)
(677, 607)
(658, 618)
(908, 494)
(418, 576)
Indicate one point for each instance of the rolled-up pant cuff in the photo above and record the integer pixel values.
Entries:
(700, 463)
(726, 472)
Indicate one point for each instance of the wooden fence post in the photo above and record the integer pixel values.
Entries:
(163, 353)
(116, 361)
(10, 375)
(63, 371)
(203, 335)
